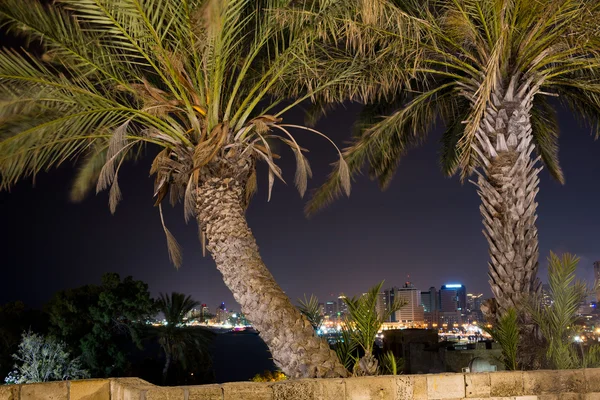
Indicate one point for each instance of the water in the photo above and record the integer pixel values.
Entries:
(238, 356)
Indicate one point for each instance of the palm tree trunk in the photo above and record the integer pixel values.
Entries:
(166, 367)
(289, 335)
(507, 189)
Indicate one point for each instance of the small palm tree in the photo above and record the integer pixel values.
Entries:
(175, 339)
(485, 69)
(364, 322)
(198, 82)
(557, 321)
(311, 309)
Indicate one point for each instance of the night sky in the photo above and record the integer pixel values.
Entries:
(425, 225)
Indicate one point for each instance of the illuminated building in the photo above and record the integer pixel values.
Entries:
(474, 302)
(342, 306)
(453, 297)
(222, 315)
(597, 280)
(381, 304)
(331, 309)
(389, 295)
(412, 312)
(431, 304)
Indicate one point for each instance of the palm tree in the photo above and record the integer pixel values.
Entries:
(485, 69)
(364, 322)
(199, 81)
(175, 339)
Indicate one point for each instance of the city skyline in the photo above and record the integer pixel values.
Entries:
(425, 225)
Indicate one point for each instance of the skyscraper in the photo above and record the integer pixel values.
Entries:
(412, 312)
(389, 295)
(331, 309)
(430, 300)
(597, 280)
(453, 297)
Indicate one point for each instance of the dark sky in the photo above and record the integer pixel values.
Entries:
(425, 225)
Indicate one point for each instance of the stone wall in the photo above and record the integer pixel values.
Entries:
(583, 384)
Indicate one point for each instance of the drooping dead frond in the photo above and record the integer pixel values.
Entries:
(173, 247)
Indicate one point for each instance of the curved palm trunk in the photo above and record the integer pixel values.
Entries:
(167, 366)
(507, 190)
(289, 335)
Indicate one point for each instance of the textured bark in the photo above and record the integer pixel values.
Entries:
(507, 189)
(295, 347)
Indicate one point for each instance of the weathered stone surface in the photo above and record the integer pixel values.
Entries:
(93, 389)
(165, 393)
(446, 386)
(205, 392)
(548, 396)
(128, 388)
(302, 389)
(9, 392)
(371, 387)
(477, 385)
(506, 384)
(571, 396)
(591, 396)
(405, 387)
(326, 389)
(592, 378)
(572, 381)
(45, 391)
(419, 387)
(541, 382)
(247, 391)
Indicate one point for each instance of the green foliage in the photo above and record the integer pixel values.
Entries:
(390, 364)
(506, 333)
(15, 318)
(269, 376)
(364, 319)
(311, 310)
(346, 349)
(557, 321)
(99, 322)
(43, 359)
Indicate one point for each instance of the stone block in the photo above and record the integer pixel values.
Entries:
(371, 387)
(592, 378)
(572, 381)
(247, 391)
(405, 387)
(302, 389)
(128, 388)
(45, 391)
(477, 385)
(327, 389)
(541, 382)
(9, 392)
(445, 386)
(164, 393)
(93, 389)
(571, 396)
(205, 392)
(526, 398)
(548, 397)
(592, 396)
(506, 384)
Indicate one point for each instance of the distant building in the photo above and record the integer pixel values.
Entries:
(473, 313)
(331, 309)
(342, 306)
(389, 296)
(430, 300)
(597, 280)
(453, 297)
(222, 315)
(412, 312)
(382, 306)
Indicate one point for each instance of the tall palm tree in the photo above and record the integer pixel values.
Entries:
(486, 69)
(195, 79)
(173, 337)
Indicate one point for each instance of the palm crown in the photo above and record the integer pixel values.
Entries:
(460, 53)
(198, 78)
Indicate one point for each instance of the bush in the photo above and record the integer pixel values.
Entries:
(42, 359)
